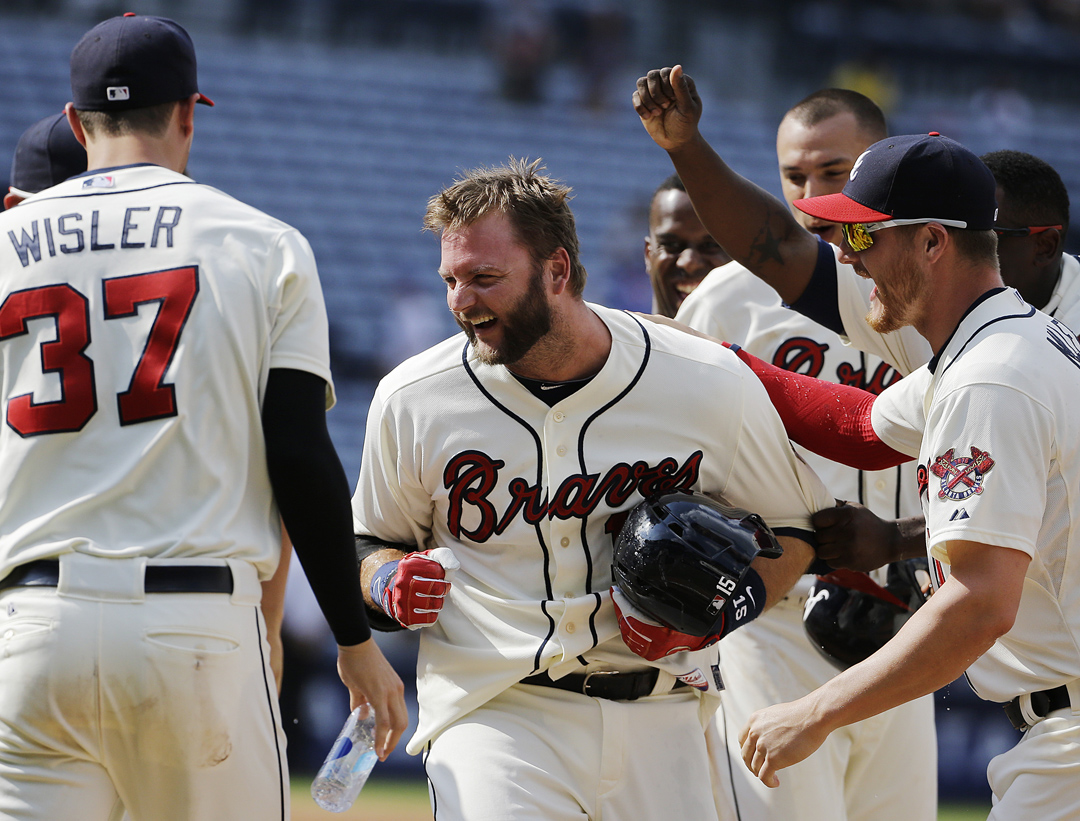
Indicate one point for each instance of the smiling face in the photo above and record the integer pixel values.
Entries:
(900, 282)
(678, 251)
(497, 293)
(816, 160)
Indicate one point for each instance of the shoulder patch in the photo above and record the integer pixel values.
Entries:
(961, 477)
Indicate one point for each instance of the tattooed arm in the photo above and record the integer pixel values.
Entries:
(754, 227)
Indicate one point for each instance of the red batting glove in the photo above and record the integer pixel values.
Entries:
(414, 591)
(649, 639)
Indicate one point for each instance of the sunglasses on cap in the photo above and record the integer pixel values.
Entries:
(857, 234)
(1024, 232)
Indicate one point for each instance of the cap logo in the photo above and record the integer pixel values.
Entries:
(858, 162)
(117, 93)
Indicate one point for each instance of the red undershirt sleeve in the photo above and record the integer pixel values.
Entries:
(829, 419)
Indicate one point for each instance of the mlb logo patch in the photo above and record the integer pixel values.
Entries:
(100, 181)
(118, 93)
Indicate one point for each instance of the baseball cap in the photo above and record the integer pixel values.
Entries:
(133, 61)
(924, 177)
(47, 153)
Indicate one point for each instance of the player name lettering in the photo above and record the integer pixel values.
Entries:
(1064, 340)
(97, 231)
(471, 476)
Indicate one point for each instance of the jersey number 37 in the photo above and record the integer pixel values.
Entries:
(148, 396)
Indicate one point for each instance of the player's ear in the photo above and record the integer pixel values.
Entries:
(11, 200)
(1047, 246)
(185, 111)
(75, 123)
(558, 265)
(933, 240)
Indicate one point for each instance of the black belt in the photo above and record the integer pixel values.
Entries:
(159, 578)
(1043, 703)
(603, 684)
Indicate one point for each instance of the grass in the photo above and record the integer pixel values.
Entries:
(963, 812)
(407, 800)
(381, 800)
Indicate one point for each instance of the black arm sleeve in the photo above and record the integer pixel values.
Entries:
(365, 546)
(313, 496)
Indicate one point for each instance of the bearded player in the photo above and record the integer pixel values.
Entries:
(518, 447)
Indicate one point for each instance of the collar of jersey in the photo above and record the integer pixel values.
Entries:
(933, 363)
(97, 171)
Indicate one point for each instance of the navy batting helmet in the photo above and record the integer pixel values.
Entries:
(680, 556)
(848, 616)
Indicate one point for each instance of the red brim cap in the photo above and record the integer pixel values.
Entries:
(839, 208)
(204, 99)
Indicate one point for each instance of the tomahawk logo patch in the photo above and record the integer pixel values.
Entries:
(960, 476)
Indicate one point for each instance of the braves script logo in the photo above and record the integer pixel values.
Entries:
(803, 355)
(960, 476)
(922, 476)
(472, 475)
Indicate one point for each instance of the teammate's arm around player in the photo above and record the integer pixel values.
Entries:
(313, 495)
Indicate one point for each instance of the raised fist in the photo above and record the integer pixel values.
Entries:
(669, 106)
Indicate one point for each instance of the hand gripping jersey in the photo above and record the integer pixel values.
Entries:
(999, 464)
(772, 660)
(140, 313)
(529, 497)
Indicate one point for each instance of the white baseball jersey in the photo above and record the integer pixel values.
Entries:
(879, 769)
(140, 313)
(460, 454)
(1000, 406)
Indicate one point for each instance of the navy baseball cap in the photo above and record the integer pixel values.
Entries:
(133, 61)
(924, 177)
(47, 154)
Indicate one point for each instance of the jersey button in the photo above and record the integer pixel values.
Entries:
(560, 450)
(558, 416)
(565, 541)
(880, 484)
(570, 627)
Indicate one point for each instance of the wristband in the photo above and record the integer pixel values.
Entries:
(382, 582)
(746, 605)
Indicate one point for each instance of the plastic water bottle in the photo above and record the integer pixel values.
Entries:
(348, 765)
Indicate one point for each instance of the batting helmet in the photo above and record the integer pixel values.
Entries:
(848, 616)
(680, 556)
